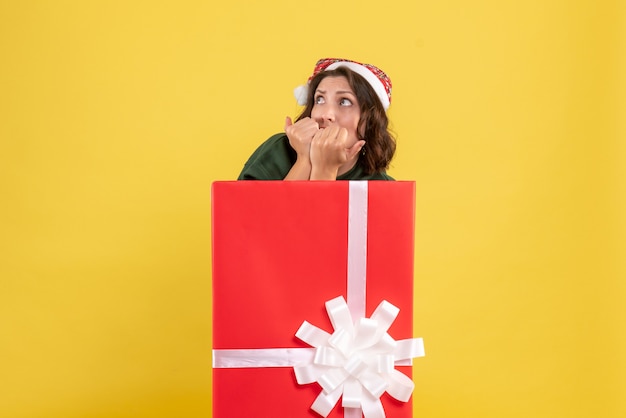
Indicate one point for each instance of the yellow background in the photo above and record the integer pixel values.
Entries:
(116, 116)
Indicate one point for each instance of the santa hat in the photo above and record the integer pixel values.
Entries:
(379, 81)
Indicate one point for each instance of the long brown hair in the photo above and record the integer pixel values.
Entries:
(380, 145)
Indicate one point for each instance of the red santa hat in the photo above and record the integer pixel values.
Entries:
(379, 81)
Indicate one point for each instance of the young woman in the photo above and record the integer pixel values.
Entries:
(342, 133)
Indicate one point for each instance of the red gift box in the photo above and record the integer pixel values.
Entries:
(280, 251)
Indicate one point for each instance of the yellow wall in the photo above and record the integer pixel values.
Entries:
(116, 116)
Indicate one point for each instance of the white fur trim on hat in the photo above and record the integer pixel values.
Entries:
(369, 76)
(301, 93)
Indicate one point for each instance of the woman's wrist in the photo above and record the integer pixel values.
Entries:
(324, 173)
(301, 170)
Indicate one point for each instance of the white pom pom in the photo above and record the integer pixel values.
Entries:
(301, 93)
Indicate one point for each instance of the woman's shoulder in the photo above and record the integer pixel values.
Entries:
(384, 176)
(358, 173)
(277, 140)
(270, 161)
(275, 145)
(380, 176)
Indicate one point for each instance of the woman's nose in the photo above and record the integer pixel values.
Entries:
(328, 114)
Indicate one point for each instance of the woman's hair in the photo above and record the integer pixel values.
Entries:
(373, 124)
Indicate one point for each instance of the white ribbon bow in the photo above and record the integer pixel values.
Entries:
(357, 362)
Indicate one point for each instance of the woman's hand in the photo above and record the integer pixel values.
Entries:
(300, 135)
(330, 154)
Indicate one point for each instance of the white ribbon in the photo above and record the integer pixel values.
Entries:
(262, 357)
(357, 361)
(357, 247)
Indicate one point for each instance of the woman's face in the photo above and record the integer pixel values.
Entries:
(334, 103)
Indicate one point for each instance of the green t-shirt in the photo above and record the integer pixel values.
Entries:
(275, 157)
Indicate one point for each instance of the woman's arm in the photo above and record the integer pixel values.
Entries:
(301, 170)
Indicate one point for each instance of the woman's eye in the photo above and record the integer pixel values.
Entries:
(319, 100)
(345, 102)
